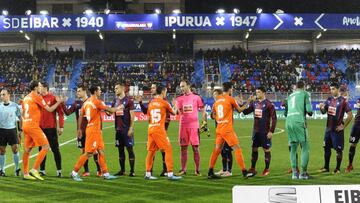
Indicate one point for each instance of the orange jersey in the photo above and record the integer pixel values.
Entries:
(92, 110)
(224, 109)
(157, 110)
(31, 106)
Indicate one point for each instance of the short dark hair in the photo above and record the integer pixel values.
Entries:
(219, 91)
(334, 84)
(45, 84)
(159, 89)
(121, 83)
(300, 84)
(227, 86)
(185, 81)
(261, 88)
(33, 84)
(93, 89)
(83, 87)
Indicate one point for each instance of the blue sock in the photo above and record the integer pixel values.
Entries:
(16, 158)
(2, 162)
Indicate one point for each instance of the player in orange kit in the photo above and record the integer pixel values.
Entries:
(223, 109)
(157, 136)
(33, 135)
(94, 140)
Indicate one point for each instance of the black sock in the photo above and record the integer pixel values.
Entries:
(229, 160)
(57, 157)
(254, 157)
(211, 172)
(121, 158)
(352, 151)
(338, 159)
(163, 160)
(327, 156)
(96, 160)
(267, 159)
(42, 164)
(224, 159)
(131, 158)
(86, 166)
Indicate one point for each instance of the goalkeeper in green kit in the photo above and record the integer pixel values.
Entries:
(298, 105)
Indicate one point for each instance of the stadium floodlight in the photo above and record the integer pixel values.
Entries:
(5, 12)
(28, 12)
(44, 12)
(279, 11)
(157, 10)
(101, 36)
(250, 29)
(318, 36)
(97, 30)
(176, 11)
(107, 11)
(247, 35)
(27, 37)
(88, 11)
(236, 10)
(21, 31)
(259, 10)
(324, 29)
(220, 11)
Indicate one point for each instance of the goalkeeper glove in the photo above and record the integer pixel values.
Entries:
(204, 128)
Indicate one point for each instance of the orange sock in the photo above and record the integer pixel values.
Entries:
(214, 155)
(26, 156)
(83, 158)
(169, 159)
(40, 157)
(240, 159)
(149, 160)
(102, 163)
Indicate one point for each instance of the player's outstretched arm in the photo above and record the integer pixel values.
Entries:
(242, 108)
(348, 119)
(308, 106)
(59, 100)
(323, 107)
(81, 115)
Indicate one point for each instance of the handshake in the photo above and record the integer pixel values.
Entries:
(204, 128)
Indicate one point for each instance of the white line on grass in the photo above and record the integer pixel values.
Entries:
(60, 145)
(140, 142)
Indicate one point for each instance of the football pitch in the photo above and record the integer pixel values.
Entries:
(189, 189)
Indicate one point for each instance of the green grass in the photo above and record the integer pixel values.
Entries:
(191, 188)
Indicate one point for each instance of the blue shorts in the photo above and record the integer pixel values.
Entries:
(334, 140)
(355, 134)
(123, 140)
(261, 140)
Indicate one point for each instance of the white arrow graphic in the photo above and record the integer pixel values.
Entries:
(317, 21)
(280, 21)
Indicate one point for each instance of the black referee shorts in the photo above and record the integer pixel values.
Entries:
(8, 137)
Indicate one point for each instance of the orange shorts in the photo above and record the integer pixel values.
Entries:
(158, 140)
(228, 136)
(34, 136)
(94, 141)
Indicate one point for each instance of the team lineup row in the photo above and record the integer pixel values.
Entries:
(37, 120)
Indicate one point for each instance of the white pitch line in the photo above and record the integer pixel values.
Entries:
(60, 145)
(140, 142)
